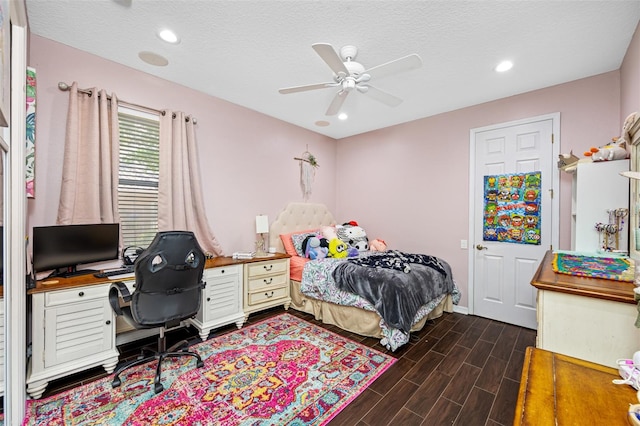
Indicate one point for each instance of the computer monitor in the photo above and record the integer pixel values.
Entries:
(62, 248)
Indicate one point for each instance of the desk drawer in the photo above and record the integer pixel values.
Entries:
(267, 268)
(267, 295)
(268, 283)
(79, 294)
(222, 271)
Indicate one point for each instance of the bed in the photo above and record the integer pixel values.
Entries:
(341, 308)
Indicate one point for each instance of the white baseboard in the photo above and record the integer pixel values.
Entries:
(461, 309)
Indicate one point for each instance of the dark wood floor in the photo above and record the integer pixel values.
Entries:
(458, 370)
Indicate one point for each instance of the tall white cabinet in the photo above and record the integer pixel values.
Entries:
(597, 188)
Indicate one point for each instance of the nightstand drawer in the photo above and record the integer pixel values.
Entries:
(266, 268)
(79, 294)
(267, 295)
(269, 282)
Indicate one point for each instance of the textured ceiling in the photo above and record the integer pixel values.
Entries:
(244, 51)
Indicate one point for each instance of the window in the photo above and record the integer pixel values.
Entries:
(138, 176)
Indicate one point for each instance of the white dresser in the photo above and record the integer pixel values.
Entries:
(266, 283)
(587, 318)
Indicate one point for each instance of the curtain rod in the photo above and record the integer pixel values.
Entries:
(65, 87)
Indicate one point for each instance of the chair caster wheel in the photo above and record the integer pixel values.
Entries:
(157, 387)
(116, 382)
(200, 364)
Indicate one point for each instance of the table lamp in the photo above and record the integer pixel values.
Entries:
(262, 227)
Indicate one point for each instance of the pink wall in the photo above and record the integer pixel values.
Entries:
(247, 161)
(630, 78)
(409, 184)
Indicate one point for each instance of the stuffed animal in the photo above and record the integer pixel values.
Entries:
(353, 236)
(613, 151)
(315, 248)
(329, 232)
(337, 249)
(619, 147)
(378, 245)
(627, 125)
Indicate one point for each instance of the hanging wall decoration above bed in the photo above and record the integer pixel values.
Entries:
(512, 208)
(308, 166)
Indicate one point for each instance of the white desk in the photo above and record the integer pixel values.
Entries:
(74, 327)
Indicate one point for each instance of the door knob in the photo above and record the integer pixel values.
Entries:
(481, 247)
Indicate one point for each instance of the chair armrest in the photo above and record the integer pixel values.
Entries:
(118, 291)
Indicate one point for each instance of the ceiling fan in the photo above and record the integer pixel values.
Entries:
(349, 75)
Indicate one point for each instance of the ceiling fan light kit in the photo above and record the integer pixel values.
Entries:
(349, 75)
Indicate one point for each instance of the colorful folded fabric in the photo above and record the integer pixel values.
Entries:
(610, 268)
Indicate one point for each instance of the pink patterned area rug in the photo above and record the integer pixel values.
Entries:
(281, 371)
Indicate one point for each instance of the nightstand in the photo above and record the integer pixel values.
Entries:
(266, 283)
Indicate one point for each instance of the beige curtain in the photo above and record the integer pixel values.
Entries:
(90, 167)
(180, 202)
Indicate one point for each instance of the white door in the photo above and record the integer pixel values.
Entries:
(501, 269)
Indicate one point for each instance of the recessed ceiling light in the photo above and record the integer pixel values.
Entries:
(322, 123)
(168, 36)
(343, 116)
(504, 66)
(153, 59)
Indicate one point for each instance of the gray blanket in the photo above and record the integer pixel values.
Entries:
(395, 294)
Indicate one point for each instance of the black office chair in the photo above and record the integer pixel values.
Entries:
(168, 289)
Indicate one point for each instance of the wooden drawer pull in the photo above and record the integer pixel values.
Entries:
(268, 268)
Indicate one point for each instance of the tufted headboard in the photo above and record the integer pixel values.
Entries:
(298, 217)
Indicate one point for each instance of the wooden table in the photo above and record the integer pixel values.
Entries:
(560, 390)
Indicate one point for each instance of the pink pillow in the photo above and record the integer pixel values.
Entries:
(287, 241)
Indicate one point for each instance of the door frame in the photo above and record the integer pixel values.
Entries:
(555, 200)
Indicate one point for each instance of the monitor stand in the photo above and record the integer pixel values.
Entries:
(70, 271)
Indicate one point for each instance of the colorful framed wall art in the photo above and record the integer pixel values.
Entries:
(512, 208)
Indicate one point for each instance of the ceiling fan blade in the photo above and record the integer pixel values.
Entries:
(329, 55)
(307, 87)
(337, 102)
(406, 63)
(382, 96)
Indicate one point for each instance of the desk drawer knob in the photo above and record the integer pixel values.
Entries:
(81, 294)
(208, 299)
(222, 271)
(268, 268)
(108, 322)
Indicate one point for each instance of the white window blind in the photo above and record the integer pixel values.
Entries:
(138, 177)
